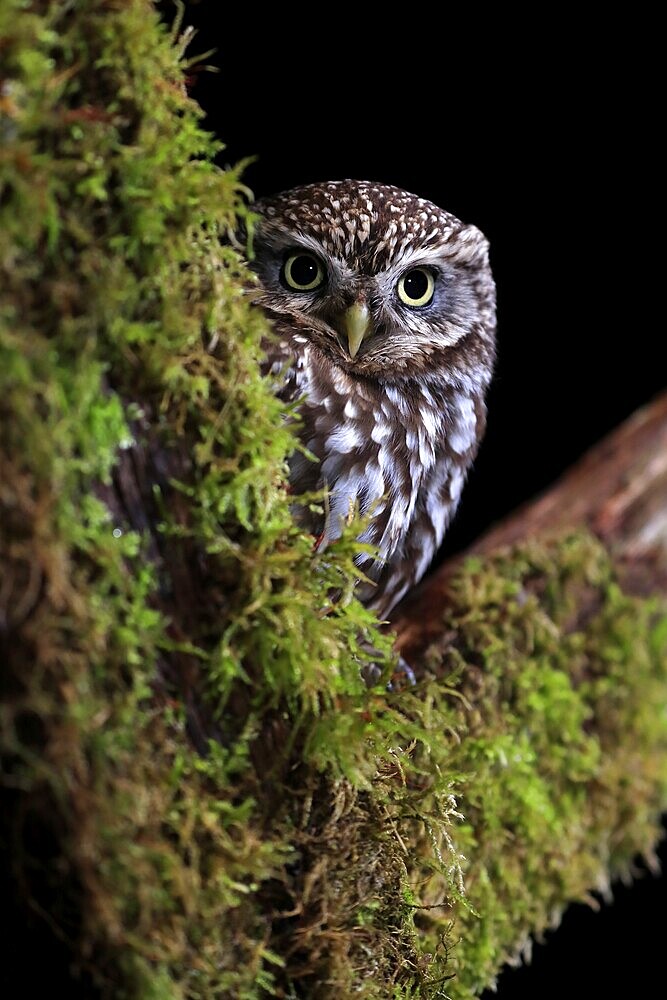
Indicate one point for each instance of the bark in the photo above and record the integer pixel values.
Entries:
(618, 490)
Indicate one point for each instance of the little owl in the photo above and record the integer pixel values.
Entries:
(384, 307)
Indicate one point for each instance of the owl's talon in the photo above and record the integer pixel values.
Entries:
(403, 677)
(370, 674)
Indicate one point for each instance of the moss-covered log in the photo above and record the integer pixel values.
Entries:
(201, 799)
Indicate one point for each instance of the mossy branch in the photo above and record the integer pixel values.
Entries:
(618, 492)
(201, 798)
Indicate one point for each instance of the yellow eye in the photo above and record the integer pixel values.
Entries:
(416, 287)
(302, 272)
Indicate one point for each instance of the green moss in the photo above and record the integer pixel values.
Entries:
(331, 840)
(124, 327)
(558, 732)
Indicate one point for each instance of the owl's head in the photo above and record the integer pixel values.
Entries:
(384, 283)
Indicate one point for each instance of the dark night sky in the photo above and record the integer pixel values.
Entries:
(549, 155)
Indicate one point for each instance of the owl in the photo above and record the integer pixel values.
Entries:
(384, 309)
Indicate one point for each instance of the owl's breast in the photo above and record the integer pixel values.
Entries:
(340, 431)
(398, 455)
(374, 450)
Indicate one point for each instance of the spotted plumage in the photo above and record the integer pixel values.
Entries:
(384, 306)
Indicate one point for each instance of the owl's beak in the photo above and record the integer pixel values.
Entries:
(357, 324)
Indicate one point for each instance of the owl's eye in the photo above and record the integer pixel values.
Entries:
(302, 272)
(416, 287)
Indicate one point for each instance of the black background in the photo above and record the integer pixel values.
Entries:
(545, 141)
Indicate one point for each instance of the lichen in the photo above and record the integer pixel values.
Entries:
(204, 800)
